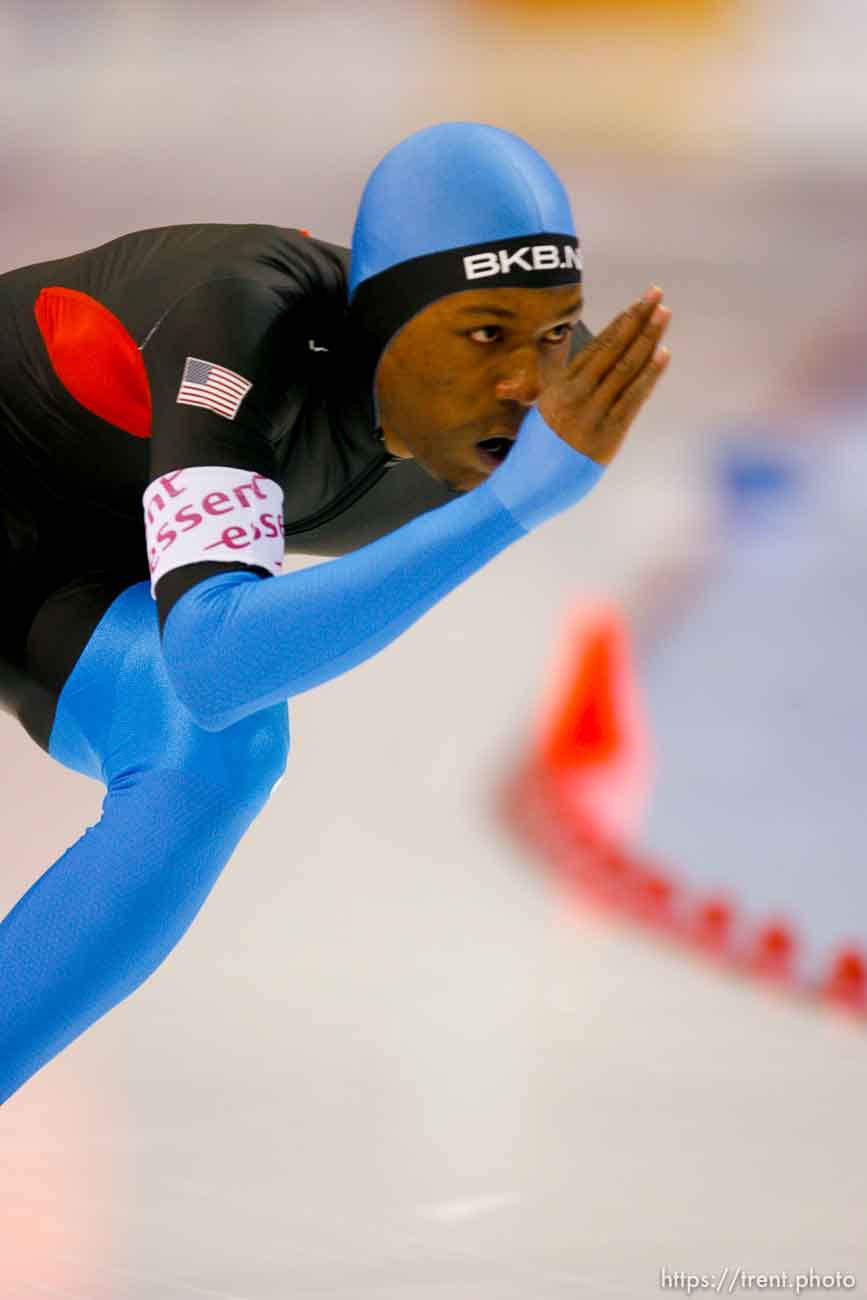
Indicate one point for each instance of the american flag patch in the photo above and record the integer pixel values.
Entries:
(212, 386)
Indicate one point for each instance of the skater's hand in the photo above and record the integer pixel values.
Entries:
(593, 406)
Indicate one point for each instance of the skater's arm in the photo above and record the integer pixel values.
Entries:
(235, 643)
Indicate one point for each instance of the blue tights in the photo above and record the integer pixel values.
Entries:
(178, 799)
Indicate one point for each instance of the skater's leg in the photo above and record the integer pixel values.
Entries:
(178, 799)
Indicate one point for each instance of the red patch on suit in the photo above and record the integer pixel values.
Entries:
(95, 358)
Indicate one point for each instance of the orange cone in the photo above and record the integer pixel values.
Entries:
(591, 735)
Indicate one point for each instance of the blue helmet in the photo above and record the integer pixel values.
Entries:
(453, 207)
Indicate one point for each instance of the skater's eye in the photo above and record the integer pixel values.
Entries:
(555, 336)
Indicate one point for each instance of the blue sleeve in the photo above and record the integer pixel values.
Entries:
(236, 643)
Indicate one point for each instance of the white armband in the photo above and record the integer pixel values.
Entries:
(212, 512)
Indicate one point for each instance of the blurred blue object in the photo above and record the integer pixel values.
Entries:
(757, 475)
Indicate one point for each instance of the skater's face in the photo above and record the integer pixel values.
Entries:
(466, 370)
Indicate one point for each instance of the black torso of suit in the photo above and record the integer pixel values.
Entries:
(268, 303)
